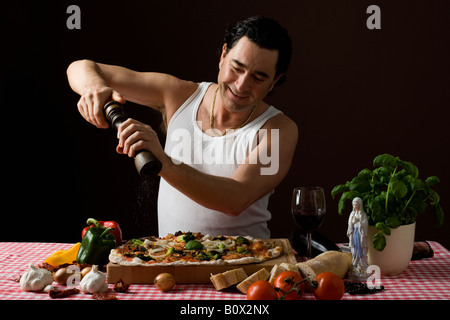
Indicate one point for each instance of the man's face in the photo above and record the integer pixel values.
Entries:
(246, 75)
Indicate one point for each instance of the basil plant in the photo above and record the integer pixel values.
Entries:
(392, 194)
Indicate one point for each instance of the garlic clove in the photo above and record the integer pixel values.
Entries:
(48, 288)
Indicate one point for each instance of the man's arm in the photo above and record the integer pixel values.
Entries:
(97, 83)
(233, 195)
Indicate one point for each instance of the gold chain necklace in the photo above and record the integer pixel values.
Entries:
(211, 118)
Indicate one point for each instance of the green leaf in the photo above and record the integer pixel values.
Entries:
(410, 168)
(338, 189)
(379, 241)
(350, 195)
(418, 204)
(401, 174)
(409, 215)
(383, 228)
(382, 171)
(408, 179)
(434, 197)
(385, 160)
(346, 196)
(393, 222)
(431, 180)
(341, 205)
(359, 184)
(438, 215)
(398, 188)
(365, 174)
(374, 207)
(417, 184)
(385, 179)
(381, 201)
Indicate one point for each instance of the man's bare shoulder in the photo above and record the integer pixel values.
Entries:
(176, 88)
(176, 92)
(283, 123)
(287, 132)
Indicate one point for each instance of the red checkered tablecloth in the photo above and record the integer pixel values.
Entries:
(427, 279)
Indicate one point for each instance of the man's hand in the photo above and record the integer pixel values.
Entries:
(135, 136)
(92, 101)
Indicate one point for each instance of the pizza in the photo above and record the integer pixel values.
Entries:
(188, 248)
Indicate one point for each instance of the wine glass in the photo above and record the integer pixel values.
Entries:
(308, 209)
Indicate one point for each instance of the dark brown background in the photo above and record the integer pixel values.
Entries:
(355, 93)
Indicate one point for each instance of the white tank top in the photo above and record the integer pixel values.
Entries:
(219, 156)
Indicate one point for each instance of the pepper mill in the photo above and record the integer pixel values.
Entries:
(146, 163)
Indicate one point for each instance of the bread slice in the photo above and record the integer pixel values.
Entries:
(307, 273)
(276, 270)
(262, 274)
(289, 267)
(226, 279)
(279, 268)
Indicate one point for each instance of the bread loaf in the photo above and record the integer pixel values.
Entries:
(228, 278)
(329, 261)
(262, 274)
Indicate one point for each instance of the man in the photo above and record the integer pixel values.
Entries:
(197, 194)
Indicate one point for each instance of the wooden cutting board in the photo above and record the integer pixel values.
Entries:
(195, 273)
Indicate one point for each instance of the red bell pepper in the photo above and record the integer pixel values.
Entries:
(107, 224)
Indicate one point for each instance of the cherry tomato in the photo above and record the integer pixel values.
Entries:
(329, 286)
(261, 290)
(286, 281)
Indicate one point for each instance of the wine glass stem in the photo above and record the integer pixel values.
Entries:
(308, 249)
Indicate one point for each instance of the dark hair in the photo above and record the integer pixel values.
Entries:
(266, 33)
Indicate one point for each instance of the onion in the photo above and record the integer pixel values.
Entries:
(62, 275)
(164, 282)
(85, 271)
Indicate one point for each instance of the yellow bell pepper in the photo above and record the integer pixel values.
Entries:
(63, 256)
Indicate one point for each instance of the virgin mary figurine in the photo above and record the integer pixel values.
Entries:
(358, 240)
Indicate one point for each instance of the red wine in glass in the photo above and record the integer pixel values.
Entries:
(308, 220)
(308, 209)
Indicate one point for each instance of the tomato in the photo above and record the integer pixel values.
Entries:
(329, 286)
(261, 290)
(286, 281)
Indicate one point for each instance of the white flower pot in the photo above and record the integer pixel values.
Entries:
(396, 256)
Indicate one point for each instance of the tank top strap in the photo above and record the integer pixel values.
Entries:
(192, 102)
(263, 118)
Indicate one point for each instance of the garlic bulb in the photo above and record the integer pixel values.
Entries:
(35, 279)
(94, 281)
